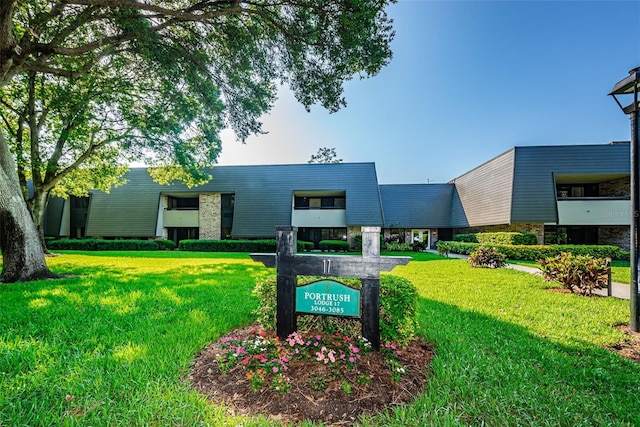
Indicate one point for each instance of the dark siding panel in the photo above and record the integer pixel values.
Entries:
(263, 197)
(485, 192)
(130, 210)
(416, 205)
(53, 217)
(534, 195)
(458, 217)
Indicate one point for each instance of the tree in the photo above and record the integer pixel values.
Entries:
(86, 84)
(325, 155)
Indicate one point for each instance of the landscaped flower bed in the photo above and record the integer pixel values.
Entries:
(260, 374)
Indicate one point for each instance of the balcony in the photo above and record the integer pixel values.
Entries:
(328, 218)
(180, 218)
(594, 211)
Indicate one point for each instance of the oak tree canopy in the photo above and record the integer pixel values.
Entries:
(86, 86)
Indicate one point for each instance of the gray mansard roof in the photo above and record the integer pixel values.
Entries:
(518, 185)
(263, 197)
(417, 205)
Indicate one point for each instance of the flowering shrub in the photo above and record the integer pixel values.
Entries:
(579, 273)
(266, 360)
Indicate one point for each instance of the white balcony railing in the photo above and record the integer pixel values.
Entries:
(319, 218)
(180, 218)
(594, 212)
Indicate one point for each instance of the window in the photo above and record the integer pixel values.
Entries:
(183, 203)
(577, 190)
(79, 202)
(326, 202)
(182, 233)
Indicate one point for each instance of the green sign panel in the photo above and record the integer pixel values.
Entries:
(328, 297)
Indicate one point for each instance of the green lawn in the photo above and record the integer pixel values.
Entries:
(111, 347)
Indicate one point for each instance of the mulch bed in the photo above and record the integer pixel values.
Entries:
(630, 347)
(330, 405)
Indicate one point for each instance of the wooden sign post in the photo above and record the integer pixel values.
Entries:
(328, 297)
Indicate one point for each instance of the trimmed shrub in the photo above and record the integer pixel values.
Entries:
(397, 247)
(578, 273)
(507, 238)
(304, 246)
(265, 245)
(334, 245)
(166, 244)
(102, 245)
(487, 257)
(536, 252)
(469, 238)
(499, 238)
(398, 305)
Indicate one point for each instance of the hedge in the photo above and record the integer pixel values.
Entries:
(536, 252)
(334, 245)
(102, 245)
(264, 245)
(499, 238)
(304, 246)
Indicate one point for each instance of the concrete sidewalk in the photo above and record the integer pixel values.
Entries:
(618, 290)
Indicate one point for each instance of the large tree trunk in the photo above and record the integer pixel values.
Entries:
(22, 253)
(38, 206)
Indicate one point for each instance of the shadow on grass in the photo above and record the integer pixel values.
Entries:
(489, 372)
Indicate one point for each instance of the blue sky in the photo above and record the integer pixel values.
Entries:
(468, 81)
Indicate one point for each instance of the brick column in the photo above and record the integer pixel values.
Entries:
(210, 216)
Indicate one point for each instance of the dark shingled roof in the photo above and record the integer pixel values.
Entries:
(263, 197)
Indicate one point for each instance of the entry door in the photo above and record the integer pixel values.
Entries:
(421, 236)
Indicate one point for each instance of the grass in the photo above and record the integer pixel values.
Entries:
(112, 346)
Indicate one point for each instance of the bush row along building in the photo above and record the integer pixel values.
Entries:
(577, 194)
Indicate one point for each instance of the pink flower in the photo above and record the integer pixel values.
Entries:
(352, 360)
(275, 369)
(245, 360)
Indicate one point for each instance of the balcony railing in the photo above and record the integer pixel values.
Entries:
(594, 211)
(180, 218)
(330, 218)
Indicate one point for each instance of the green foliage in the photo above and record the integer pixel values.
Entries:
(468, 238)
(397, 247)
(357, 242)
(398, 300)
(325, 155)
(86, 89)
(104, 245)
(578, 273)
(264, 245)
(166, 244)
(443, 248)
(303, 246)
(507, 238)
(487, 257)
(419, 246)
(334, 245)
(498, 238)
(536, 252)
